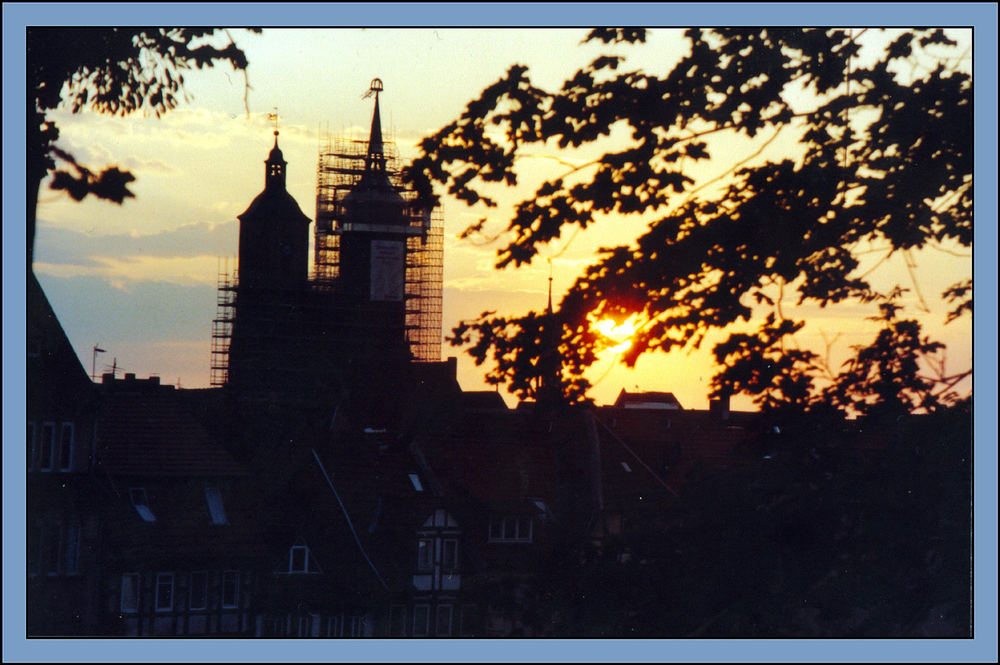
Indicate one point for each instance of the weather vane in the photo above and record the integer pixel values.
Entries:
(274, 117)
(374, 89)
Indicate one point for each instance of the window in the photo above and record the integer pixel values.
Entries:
(164, 592)
(354, 626)
(47, 443)
(71, 549)
(198, 593)
(511, 528)
(449, 556)
(230, 588)
(415, 480)
(137, 495)
(66, 447)
(34, 547)
(298, 559)
(470, 620)
(344, 625)
(54, 549)
(216, 512)
(51, 546)
(443, 626)
(130, 592)
(397, 621)
(421, 620)
(31, 445)
(334, 625)
(425, 554)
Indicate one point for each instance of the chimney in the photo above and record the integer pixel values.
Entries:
(719, 407)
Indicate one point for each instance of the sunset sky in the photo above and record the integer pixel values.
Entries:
(139, 279)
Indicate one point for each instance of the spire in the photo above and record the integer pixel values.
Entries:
(374, 199)
(375, 159)
(274, 174)
(549, 385)
(549, 309)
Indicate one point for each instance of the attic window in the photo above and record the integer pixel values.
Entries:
(141, 504)
(298, 559)
(215, 509)
(511, 529)
(417, 485)
(544, 513)
(627, 468)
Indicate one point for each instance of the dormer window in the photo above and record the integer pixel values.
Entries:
(216, 512)
(298, 559)
(137, 495)
(515, 529)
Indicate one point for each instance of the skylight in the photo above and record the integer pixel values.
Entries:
(215, 509)
(141, 504)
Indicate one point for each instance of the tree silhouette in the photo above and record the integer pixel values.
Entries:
(108, 70)
(882, 156)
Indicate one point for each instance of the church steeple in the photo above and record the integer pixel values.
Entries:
(274, 175)
(375, 159)
(374, 199)
(274, 233)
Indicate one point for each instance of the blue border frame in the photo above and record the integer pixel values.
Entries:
(981, 16)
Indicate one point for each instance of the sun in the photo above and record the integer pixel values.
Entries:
(619, 333)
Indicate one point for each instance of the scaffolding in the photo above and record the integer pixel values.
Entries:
(222, 327)
(341, 165)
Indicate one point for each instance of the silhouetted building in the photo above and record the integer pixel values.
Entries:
(63, 585)
(372, 304)
(336, 481)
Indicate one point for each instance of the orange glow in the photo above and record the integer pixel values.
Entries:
(619, 333)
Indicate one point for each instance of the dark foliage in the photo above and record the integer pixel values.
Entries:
(108, 70)
(832, 529)
(886, 159)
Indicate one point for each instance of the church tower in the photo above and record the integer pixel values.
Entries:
(273, 272)
(274, 233)
(373, 251)
(370, 308)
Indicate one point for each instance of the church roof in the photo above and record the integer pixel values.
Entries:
(275, 155)
(274, 204)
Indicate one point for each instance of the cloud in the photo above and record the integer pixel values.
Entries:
(122, 273)
(66, 246)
